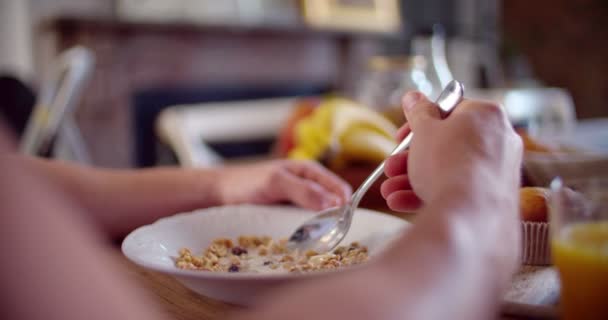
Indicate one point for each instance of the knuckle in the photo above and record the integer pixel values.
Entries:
(277, 174)
(487, 115)
(284, 163)
(311, 194)
(490, 111)
(312, 165)
(424, 106)
(422, 110)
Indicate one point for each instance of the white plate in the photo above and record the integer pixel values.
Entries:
(155, 246)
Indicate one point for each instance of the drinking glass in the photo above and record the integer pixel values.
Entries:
(578, 211)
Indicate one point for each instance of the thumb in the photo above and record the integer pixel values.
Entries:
(418, 110)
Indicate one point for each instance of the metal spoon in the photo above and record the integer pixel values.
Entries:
(324, 231)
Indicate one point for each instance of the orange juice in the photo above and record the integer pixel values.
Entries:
(580, 252)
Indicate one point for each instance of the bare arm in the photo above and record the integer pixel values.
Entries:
(121, 200)
(456, 260)
(453, 263)
(55, 261)
(55, 264)
(439, 270)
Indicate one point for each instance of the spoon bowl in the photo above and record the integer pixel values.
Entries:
(326, 230)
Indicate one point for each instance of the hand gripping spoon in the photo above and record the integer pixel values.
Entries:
(324, 231)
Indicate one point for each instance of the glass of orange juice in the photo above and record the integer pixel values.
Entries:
(579, 245)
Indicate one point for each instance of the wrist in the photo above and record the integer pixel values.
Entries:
(452, 236)
(207, 186)
(480, 188)
(488, 217)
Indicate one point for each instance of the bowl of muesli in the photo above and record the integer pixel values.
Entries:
(235, 253)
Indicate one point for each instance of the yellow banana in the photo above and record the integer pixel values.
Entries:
(346, 130)
(347, 113)
(311, 137)
(364, 145)
(300, 153)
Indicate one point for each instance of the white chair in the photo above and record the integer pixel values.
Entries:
(52, 117)
(188, 129)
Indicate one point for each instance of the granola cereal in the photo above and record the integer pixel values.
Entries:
(263, 254)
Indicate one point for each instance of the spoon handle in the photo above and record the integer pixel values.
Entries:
(447, 101)
(378, 172)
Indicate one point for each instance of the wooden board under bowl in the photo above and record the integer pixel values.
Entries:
(534, 293)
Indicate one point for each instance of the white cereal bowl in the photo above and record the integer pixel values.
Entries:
(155, 246)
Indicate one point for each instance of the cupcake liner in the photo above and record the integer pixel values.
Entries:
(536, 250)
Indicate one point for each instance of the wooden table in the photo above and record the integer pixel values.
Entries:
(179, 302)
(183, 304)
(533, 293)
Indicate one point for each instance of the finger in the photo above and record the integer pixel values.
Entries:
(403, 132)
(331, 182)
(395, 184)
(396, 165)
(418, 110)
(404, 201)
(304, 193)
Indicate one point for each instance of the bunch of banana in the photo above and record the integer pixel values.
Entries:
(340, 132)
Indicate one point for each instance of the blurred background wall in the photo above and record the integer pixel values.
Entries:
(552, 43)
(565, 44)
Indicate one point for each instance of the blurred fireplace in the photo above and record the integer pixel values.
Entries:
(132, 57)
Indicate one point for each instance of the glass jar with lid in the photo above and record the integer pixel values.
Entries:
(387, 78)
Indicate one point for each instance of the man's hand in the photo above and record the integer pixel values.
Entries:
(455, 261)
(305, 183)
(476, 140)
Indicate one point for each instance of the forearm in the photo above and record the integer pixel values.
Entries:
(440, 269)
(54, 264)
(120, 200)
(461, 252)
(123, 201)
(461, 263)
